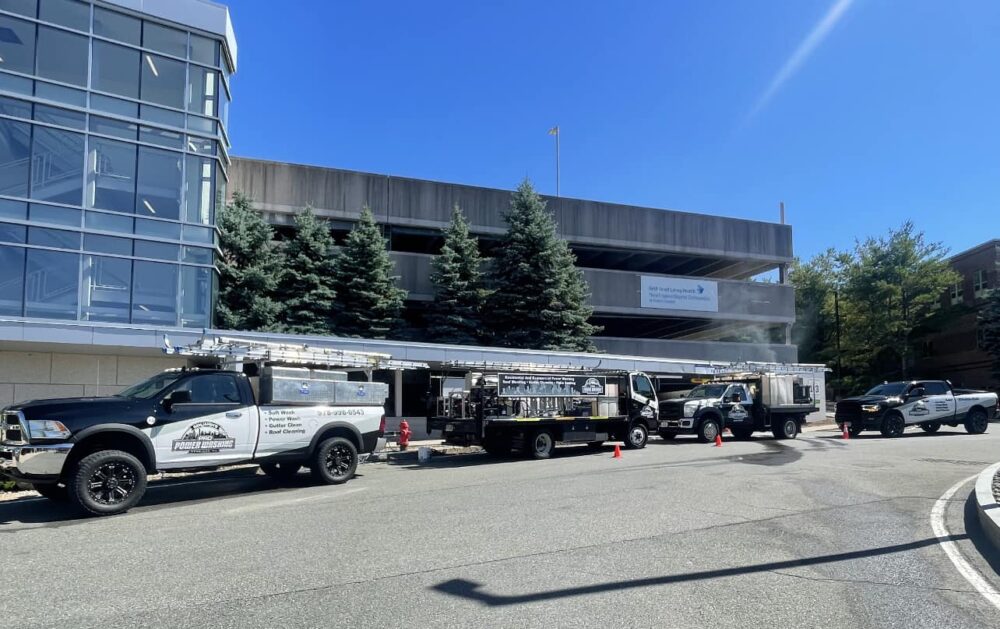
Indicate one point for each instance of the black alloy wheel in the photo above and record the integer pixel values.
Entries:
(893, 426)
(335, 461)
(977, 422)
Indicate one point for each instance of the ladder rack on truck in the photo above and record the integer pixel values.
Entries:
(531, 407)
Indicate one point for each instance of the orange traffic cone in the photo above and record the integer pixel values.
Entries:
(847, 433)
(618, 452)
(718, 440)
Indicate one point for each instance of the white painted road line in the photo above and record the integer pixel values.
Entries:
(284, 503)
(973, 576)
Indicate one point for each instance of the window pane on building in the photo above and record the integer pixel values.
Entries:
(24, 7)
(117, 128)
(158, 229)
(68, 216)
(71, 13)
(52, 284)
(10, 232)
(162, 81)
(57, 166)
(115, 105)
(62, 56)
(107, 244)
(15, 107)
(204, 50)
(112, 167)
(59, 116)
(17, 44)
(107, 289)
(203, 90)
(14, 157)
(156, 250)
(159, 189)
(116, 70)
(171, 139)
(161, 116)
(198, 191)
(165, 39)
(154, 293)
(59, 238)
(108, 222)
(196, 296)
(61, 93)
(13, 209)
(11, 280)
(198, 234)
(114, 25)
(197, 255)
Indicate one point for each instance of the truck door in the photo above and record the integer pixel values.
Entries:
(736, 404)
(212, 423)
(643, 396)
(939, 400)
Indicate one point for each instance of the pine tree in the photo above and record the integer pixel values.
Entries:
(540, 297)
(306, 291)
(249, 269)
(989, 329)
(455, 316)
(368, 301)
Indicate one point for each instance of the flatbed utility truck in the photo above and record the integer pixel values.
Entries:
(531, 408)
(744, 403)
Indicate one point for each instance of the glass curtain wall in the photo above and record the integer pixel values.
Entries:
(113, 164)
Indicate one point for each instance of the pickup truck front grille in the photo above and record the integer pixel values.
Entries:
(11, 430)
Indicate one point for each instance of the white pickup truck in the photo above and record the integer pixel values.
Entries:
(892, 406)
(98, 451)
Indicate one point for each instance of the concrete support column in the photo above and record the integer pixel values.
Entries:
(788, 334)
(782, 273)
(397, 405)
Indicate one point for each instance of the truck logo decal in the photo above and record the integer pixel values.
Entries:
(592, 386)
(204, 437)
(919, 411)
(304, 388)
(361, 392)
(738, 413)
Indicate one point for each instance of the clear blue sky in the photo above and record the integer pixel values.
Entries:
(885, 110)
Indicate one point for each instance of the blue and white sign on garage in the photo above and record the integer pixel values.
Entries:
(675, 293)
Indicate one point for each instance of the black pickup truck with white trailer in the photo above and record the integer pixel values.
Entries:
(892, 406)
(743, 403)
(278, 406)
(533, 410)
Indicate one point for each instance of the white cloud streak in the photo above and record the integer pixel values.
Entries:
(803, 52)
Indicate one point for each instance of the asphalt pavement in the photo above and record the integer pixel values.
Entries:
(815, 532)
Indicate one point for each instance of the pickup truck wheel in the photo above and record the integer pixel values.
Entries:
(931, 427)
(667, 436)
(541, 444)
(708, 430)
(281, 471)
(976, 422)
(637, 437)
(787, 428)
(107, 482)
(335, 461)
(741, 433)
(55, 493)
(893, 425)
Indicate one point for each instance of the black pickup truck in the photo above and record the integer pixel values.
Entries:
(892, 406)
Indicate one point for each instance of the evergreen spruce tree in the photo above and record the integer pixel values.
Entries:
(455, 316)
(989, 329)
(539, 298)
(368, 301)
(306, 291)
(249, 269)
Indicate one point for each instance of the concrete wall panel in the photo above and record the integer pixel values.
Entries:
(84, 369)
(25, 367)
(132, 369)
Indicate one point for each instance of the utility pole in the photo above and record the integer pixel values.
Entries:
(555, 131)
(836, 316)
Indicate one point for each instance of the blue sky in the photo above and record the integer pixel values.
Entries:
(859, 114)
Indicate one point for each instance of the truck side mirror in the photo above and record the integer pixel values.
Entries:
(180, 396)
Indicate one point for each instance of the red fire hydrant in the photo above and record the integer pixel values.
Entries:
(404, 434)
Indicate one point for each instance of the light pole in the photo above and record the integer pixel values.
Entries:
(555, 131)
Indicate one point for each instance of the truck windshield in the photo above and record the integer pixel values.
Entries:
(708, 390)
(150, 387)
(888, 389)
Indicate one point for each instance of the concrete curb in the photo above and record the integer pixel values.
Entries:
(986, 505)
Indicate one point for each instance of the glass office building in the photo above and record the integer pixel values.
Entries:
(113, 159)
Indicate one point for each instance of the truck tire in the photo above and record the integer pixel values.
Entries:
(893, 425)
(708, 430)
(107, 482)
(931, 427)
(787, 428)
(540, 445)
(55, 493)
(742, 433)
(283, 471)
(334, 461)
(667, 436)
(636, 437)
(976, 422)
